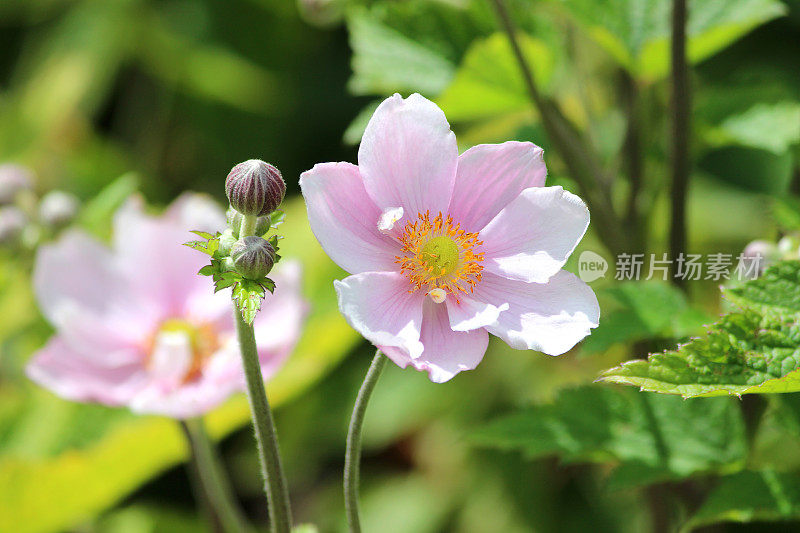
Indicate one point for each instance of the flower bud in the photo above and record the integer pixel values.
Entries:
(253, 257)
(255, 188)
(226, 241)
(13, 180)
(58, 208)
(235, 222)
(12, 224)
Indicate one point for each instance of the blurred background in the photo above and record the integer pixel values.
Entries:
(105, 98)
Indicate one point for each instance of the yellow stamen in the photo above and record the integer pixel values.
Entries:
(440, 256)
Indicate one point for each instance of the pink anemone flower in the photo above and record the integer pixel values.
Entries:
(135, 324)
(446, 248)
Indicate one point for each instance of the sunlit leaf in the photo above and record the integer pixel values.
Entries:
(636, 32)
(755, 349)
(488, 82)
(772, 127)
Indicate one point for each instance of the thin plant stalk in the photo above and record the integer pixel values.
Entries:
(352, 458)
(576, 152)
(263, 424)
(212, 478)
(680, 107)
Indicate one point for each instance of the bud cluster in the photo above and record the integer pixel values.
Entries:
(24, 218)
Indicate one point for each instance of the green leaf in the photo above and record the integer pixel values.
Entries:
(268, 284)
(207, 270)
(385, 60)
(248, 295)
(755, 349)
(772, 127)
(750, 168)
(643, 310)
(488, 81)
(636, 32)
(97, 214)
(647, 433)
(208, 246)
(750, 497)
(276, 218)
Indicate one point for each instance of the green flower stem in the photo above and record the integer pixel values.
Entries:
(352, 458)
(212, 478)
(266, 438)
(248, 226)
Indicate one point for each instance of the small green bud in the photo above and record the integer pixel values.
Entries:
(253, 257)
(226, 241)
(255, 188)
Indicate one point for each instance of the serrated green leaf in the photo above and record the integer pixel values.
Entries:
(662, 436)
(248, 295)
(276, 218)
(750, 497)
(755, 349)
(207, 270)
(636, 32)
(204, 234)
(488, 81)
(268, 284)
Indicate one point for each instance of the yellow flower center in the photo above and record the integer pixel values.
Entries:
(440, 257)
(202, 342)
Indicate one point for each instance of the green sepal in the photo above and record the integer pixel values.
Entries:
(208, 246)
(247, 295)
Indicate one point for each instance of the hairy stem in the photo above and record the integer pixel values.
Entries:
(352, 458)
(215, 483)
(577, 154)
(680, 104)
(263, 424)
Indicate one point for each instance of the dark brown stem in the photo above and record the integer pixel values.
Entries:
(633, 161)
(580, 159)
(681, 102)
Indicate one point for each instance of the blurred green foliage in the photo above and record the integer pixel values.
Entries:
(170, 94)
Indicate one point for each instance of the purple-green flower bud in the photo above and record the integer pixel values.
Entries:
(253, 257)
(235, 222)
(255, 188)
(12, 224)
(13, 180)
(58, 208)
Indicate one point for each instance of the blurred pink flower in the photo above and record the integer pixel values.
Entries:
(446, 248)
(135, 324)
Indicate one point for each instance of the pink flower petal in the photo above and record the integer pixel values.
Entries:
(81, 291)
(345, 219)
(72, 375)
(408, 156)
(447, 352)
(280, 321)
(469, 313)
(151, 255)
(379, 306)
(548, 317)
(532, 237)
(196, 211)
(490, 176)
